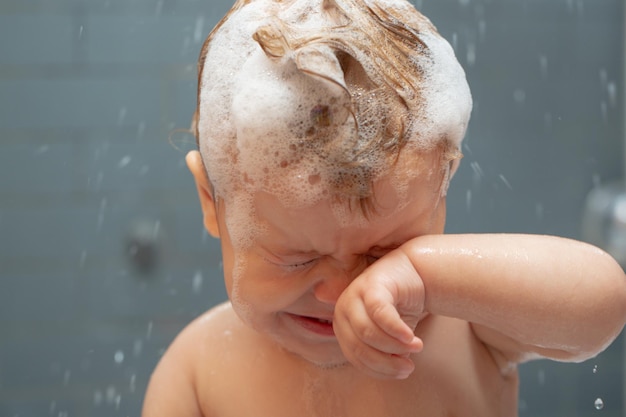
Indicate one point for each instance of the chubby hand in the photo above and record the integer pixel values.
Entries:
(375, 317)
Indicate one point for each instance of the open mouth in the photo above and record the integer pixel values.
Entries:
(316, 325)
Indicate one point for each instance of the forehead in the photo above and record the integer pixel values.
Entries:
(299, 182)
(399, 199)
(330, 226)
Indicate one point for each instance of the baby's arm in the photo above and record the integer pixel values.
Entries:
(524, 295)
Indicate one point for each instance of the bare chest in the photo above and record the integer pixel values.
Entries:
(454, 377)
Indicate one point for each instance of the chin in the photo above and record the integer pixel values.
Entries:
(327, 355)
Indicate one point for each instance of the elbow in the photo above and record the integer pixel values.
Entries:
(609, 314)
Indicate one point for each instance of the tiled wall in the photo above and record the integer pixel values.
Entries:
(90, 92)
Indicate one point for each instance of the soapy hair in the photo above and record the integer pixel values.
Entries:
(381, 81)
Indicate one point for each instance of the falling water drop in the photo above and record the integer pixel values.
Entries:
(137, 347)
(482, 28)
(83, 259)
(196, 283)
(505, 181)
(103, 206)
(543, 64)
(124, 161)
(98, 397)
(66, 377)
(121, 116)
(598, 403)
(198, 30)
(519, 96)
(141, 130)
(595, 369)
(547, 119)
(133, 383)
(119, 357)
(539, 211)
(611, 89)
(471, 54)
(604, 111)
(149, 331)
(159, 8)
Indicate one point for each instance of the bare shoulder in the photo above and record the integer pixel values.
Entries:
(214, 324)
(177, 379)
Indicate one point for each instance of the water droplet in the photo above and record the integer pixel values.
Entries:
(144, 170)
(121, 116)
(118, 357)
(196, 282)
(468, 200)
(482, 28)
(478, 171)
(198, 33)
(595, 369)
(543, 64)
(539, 211)
(133, 383)
(611, 89)
(547, 119)
(505, 181)
(110, 394)
(598, 403)
(149, 331)
(137, 347)
(159, 8)
(98, 397)
(541, 377)
(66, 377)
(156, 228)
(141, 129)
(103, 206)
(83, 258)
(603, 76)
(519, 96)
(471, 54)
(124, 161)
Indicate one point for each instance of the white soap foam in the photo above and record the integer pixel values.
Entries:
(270, 117)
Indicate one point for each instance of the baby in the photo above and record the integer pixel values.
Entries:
(328, 131)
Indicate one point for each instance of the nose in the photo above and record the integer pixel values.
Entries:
(335, 276)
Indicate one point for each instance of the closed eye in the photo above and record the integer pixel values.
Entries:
(294, 265)
(300, 264)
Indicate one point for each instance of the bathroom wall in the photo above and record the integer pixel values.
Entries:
(102, 255)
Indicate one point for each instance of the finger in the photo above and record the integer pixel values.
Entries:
(387, 318)
(379, 364)
(367, 331)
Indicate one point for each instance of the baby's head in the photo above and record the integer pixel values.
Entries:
(320, 99)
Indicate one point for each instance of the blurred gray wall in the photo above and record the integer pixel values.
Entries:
(102, 254)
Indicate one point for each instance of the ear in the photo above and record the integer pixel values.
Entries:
(207, 203)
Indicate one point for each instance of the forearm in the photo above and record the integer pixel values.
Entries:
(541, 291)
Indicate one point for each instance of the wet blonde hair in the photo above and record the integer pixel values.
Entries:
(375, 53)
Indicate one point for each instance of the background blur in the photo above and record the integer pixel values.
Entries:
(102, 254)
